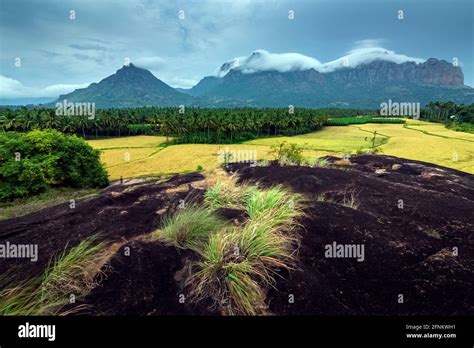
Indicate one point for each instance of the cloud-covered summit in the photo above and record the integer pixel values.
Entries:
(262, 60)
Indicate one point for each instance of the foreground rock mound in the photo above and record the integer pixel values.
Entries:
(406, 230)
(120, 212)
(415, 221)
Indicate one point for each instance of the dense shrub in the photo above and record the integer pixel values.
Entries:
(144, 129)
(461, 127)
(32, 162)
(287, 154)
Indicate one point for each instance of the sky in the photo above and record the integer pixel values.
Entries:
(51, 47)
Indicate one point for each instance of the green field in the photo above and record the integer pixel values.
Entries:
(431, 142)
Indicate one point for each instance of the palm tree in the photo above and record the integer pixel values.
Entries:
(29, 120)
(8, 120)
(49, 119)
(82, 123)
(69, 125)
(165, 127)
(96, 124)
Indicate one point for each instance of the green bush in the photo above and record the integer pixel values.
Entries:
(32, 162)
(461, 127)
(140, 129)
(287, 154)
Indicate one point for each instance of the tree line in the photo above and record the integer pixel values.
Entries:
(198, 125)
(189, 125)
(448, 112)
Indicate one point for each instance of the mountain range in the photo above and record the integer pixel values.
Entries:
(364, 86)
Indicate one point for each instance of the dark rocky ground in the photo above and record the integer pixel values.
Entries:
(119, 213)
(408, 251)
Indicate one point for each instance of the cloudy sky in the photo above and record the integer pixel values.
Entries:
(47, 50)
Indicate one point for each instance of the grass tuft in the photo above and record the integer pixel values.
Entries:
(228, 195)
(226, 277)
(316, 162)
(350, 199)
(75, 272)
(189, 228)
(278, 203)
(239, 263)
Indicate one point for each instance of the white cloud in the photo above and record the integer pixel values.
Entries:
(261, 60)
(177, 82)
(152, 63)
(11, 89)
(56, 90)
(227, 66)
(364, 55)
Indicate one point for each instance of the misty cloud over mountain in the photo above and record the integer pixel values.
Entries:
(263, 79)
(262, 60)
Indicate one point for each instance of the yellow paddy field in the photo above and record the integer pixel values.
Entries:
(428, 142)
(128, 142)
(146, 155)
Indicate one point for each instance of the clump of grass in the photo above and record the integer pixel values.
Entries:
(321, 198)
(75, 272)
(310, 161)
(26, 299)
(350, 199)
(267, 241)
(228, 278)
(316, 162)
(228, 195)
(189, 228)
(322, 162)
(274, 202)
(221, 195)
(240, 263)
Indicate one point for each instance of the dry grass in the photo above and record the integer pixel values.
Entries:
(74, 272)
(239, 263)
(128, 142)
(350, 199)
(118, 157)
